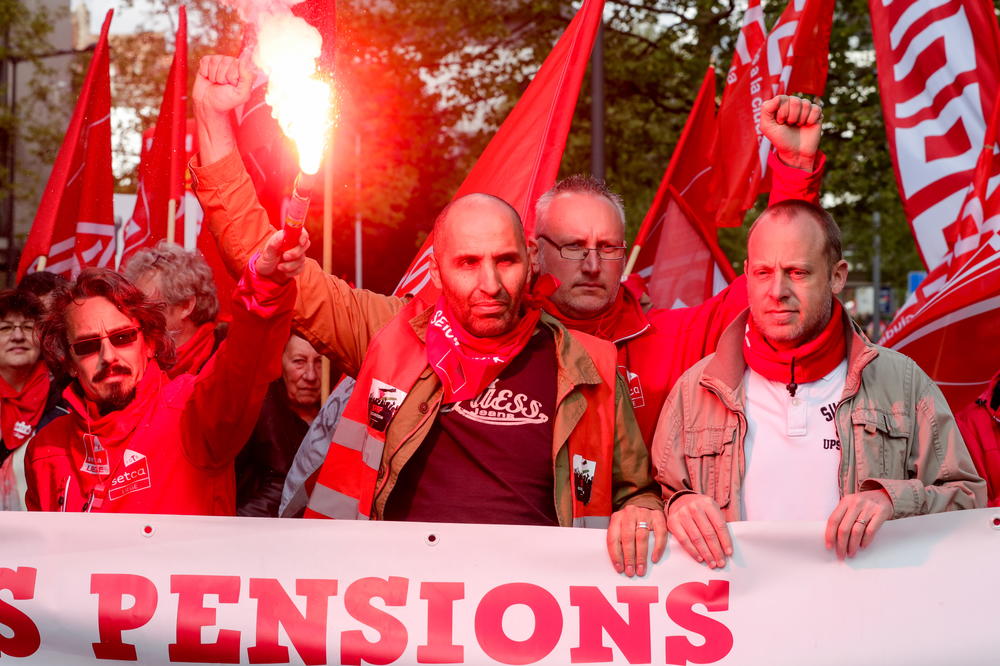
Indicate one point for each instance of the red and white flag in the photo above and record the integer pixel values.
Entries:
(949, 325)
(162, 166)
(678, 255)
(522, 160)
(75, 225)
(938, 69)
(793, 59)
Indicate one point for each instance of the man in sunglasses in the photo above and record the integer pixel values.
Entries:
(135, 441)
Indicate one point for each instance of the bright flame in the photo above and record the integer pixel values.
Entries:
(287, 49)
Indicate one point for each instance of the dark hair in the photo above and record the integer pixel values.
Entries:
(125, 296)
(41, 283)
(26, 304)
(833, 244)
(180, 275)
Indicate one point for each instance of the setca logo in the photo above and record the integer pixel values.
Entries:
(502, 407)
(133, 476)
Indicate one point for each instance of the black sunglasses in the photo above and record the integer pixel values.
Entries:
(90, 346)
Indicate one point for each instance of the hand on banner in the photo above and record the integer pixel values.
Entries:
(222, 84)
(282, 266)
(793, 126)
(857, 518)
(697, 522)
(628, 538)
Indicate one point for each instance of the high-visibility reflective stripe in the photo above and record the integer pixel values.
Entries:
(598, 522)
(350, 434)
(332, 504)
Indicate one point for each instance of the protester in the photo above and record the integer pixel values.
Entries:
(28, 394)
(135, 441)
(184, 282)
(580, 236)
(291, 405)
(42, 285)
(797, 416)
(439, 388)
(980, 426)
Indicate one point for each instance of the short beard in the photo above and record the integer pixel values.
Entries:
(118, 399)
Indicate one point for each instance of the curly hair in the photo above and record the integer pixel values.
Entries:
(125, 296)
(24, 303)
(181, 275)
(41, 283)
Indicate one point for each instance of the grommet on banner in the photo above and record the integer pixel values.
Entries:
(431, 540)
(996, 522)
(147, 530)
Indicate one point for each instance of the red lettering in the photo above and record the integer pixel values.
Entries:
(489, 623)
(392, 633)
(307, 634)
(23, 640)
(192, 615)
(113, 617)
(440, 615)
(596, 614)
(714, 595)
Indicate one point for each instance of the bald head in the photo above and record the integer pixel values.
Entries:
(481, 263)
(466, 210)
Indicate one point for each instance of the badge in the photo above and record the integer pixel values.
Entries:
(583, 477)
(23, 430)
(95, 459)
(133, 477)
(383, 403)
(634, 387)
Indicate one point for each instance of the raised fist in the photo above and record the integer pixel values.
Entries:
(793, 125)
(222, 84)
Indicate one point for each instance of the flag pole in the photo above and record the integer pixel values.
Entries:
(171, 220)
(327, 252)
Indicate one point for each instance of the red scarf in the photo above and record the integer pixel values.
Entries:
(623, 320)
(194, 353)
(21, 410)
(806, 363)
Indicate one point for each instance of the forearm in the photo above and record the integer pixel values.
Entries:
(216, 137)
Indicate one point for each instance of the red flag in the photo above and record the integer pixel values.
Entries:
(753, 36)
(949, 325)
(677, 251)
(161, 168)
(938, 71)
(793, 59)
(75, 225)
(522, 160)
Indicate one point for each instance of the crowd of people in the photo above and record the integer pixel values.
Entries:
(536, 390)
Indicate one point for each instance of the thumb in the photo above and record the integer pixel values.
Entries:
(246, 74)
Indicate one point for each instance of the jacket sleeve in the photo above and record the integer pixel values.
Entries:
(982, 437)
(633, 482)
(941, 474)
(228, 392)
(792, 183)
(669, 465)
(337, 320)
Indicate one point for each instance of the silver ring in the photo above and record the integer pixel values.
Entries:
(642, 525)
(863, 522)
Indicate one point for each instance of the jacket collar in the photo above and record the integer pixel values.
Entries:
(724, 372)
(573, 360)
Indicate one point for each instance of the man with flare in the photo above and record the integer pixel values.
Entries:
(478, 408)
(798, 416)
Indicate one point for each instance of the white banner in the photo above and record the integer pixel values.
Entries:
(245, 590)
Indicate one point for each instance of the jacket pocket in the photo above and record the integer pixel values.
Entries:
(881, 443)
(708, 453)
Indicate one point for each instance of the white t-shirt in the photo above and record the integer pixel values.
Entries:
(792, 448)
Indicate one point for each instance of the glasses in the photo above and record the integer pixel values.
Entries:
(7, 328)
(90, 346)
(574, 252)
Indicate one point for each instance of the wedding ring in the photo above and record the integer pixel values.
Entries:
(642, 525)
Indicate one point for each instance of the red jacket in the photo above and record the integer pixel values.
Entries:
(979, 424)
(171, 450)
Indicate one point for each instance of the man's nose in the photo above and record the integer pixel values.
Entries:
(108, 353)
(591, 263)
(311, 373)
(489, 279)
(779, 287)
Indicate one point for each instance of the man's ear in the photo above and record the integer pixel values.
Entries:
(533, 260)
(838, 277)
(435, 272)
